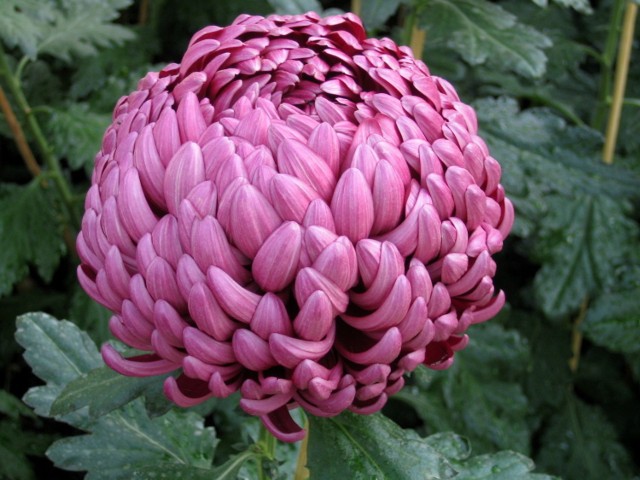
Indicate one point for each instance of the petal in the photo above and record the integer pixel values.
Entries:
(276, 262)
(352, 206)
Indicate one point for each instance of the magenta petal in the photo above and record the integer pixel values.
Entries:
(388, 197)
(385, 350)
(387, 267)
(276, 262)
(251, 351)
(309, 281)
(289, 351)
(296, 159)
(191, 123)
(338, 263)
(270, 317)
(186, 392)
(291, 197)
(315, 317)
(207, 349)
(282, 426)
(323, 140)
(235, 300)
(185, 171)
(135, 213)
(266, 405)
(390, 312)
(208, 315)
(140, 366)
(352, 206)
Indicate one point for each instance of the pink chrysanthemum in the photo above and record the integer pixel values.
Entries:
(297, 212)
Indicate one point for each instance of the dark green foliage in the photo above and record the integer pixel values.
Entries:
(539, 73)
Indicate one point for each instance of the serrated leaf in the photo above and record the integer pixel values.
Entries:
(102, 390)
(76, 133)
(79, 28)
(581, 443)
(484, 33)
(498, 466)
(19, 23)
(58, 352)
(229, 470)
(375, 13)
(584, 240)
(127, 440)
(475, 397)
(292, 7)
(30, 232)
(364, 447)
(613, 321)
(12, 407)
(582, 6)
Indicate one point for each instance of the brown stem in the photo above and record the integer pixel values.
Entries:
(18, 135)
(143, 12)
(576, 336)
(356, 6)
(622, 70)
(418, 38)
(302, 472)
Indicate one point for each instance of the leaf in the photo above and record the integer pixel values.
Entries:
(483, 32)
(581, 443)
(480, 396)
(229, 470)
(30, 232)
(613, 321)
(584, 241)
(292, 7)
(90, 316)
(58, 352)
(364, 447)
(76, 133)
(498, 466)
(127, 441)
(375, 13)
(17, 444)
(102, 390)
(19, 20)
(581, 6)
(13, 407)
(79, 28)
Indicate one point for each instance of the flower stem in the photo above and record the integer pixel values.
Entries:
(302, 472)
(622, 70)
(267, 446)
(576, 336)
(45, 150)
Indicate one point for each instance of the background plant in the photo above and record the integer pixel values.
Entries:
(555, 378)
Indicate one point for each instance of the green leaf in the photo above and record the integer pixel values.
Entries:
(581, 6)
(480, 396)
(375, 13)
(79, 28)
(76, 133)
(291, 7)
(483, 32)
(613, 321)
(58, 352)
(364, 447)
(19, 20)
(229, 470)
(17, 444)
(30, 232)
(581, 443)
(584, 240)
(13, 407)
(102, 390)
(127, 441)
(498, 466)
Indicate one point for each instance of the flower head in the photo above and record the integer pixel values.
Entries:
(296, 212)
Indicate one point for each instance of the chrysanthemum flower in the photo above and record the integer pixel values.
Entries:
(296, 212)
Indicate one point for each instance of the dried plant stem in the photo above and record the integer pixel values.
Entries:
(18, 135)
(418, 37)
(143, 12)
(622, 70)
(576, 336)
(356, 6)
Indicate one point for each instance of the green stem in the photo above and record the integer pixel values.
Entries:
(607, 59)
(46, 152)
(267, 447)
